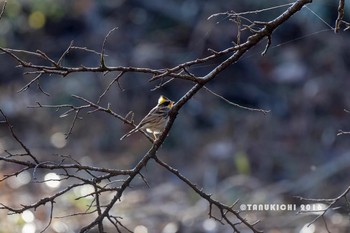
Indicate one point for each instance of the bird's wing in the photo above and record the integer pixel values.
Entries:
(147, 118)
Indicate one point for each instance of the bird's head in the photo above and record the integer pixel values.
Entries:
(164, 101)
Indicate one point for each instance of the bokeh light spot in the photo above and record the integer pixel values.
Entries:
(86, 190)
(170, 228)
(13, 9)
(29, 228)
(52, 180)
(36, 20)
(60, 227)
(140, 229)
(27, 216)
(209, 225)
(17, 181)
(307, 228)
(58, 140)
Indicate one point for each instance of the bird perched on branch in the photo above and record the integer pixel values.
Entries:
(155, 121)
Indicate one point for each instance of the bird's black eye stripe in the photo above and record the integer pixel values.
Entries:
(166, 103)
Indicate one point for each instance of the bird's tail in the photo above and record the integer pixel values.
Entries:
(129, 133)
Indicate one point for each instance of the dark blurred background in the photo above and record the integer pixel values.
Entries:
(233, 153)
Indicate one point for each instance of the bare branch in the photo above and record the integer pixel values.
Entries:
(6, 176)
(340, 16)
(42, 201)
(330, 202)
(64, 70)
(98, 207)
(115, 182)
(222, 207)
(54, 166)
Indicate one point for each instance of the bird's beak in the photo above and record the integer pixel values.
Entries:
(171, 104)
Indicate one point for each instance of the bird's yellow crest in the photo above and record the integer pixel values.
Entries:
(162, 99)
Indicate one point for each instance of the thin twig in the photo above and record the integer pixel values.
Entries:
(46, 57)
(331, 202)
(3, 9)
(340, 17)
(26, 149)
(72, 124)
(98, 207)
(116, 79)
(102, 60)
(235, 104)
(50, 217)
(250, 12)
(30, 83)
(206, 196)
(65, 53)
(341, 132)
(41, 89)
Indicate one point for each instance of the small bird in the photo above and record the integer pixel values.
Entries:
(156, 120)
